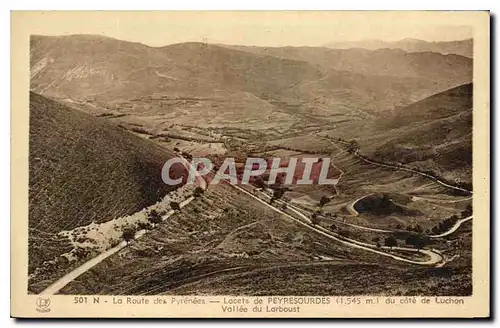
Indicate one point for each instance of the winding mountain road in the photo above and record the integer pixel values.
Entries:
(350, 207)
(402, 168)
(453, 228)
(442, 201)
(66, 279)
(434, 258)
(339, 221)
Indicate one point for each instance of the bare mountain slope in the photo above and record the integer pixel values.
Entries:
(105, 72)
(376, 62)
(376, 80)
(108, 69)
(444, 104)
(83, 170)
(434, 134)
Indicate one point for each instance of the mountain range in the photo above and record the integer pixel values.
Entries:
(458, 47)
(104, 72)
(106, 114)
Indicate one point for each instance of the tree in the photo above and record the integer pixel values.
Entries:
(416, 240)
(390, 242)
(175, 206)
(198, 191)
(420, 242)
(352, 147)
(323, 201)
(398, 226)
(333, 227)
(144, 226)
(81, 253)
(259, 182)
(410, 240)
(278, 193)
(376, 239)
(154, 217)
(418, 229)
(315, 219)
(128, 234)
(467, 212)
(344, 233)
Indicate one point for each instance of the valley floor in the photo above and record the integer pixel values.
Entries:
(232, 234)
(235, 240)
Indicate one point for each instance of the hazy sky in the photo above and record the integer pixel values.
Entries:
(255, 28)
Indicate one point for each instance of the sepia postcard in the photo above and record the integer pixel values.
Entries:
(250, 164)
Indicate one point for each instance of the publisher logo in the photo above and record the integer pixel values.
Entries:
(43, 305)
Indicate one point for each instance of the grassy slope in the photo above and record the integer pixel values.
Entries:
(225, 243)
(83, 169)
(444, 104)
(331, 279)
(223, 229)
(433, 134)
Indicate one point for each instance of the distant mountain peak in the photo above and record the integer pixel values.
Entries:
(413, 40)
(459, 47)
